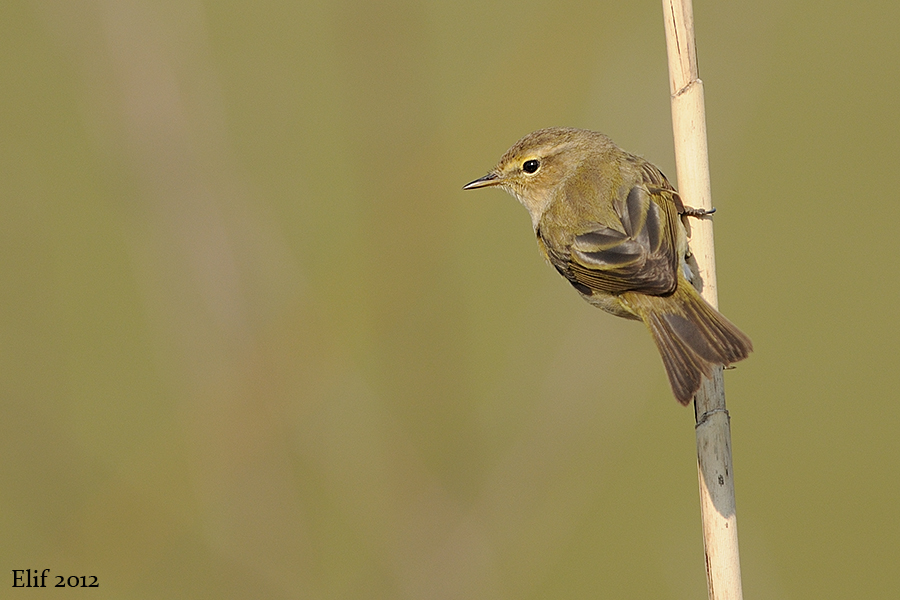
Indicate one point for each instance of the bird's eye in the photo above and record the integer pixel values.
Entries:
(530, 166)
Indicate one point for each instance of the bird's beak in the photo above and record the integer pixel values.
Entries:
(488, 180)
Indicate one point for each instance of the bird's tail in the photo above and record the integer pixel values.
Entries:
(693, 337)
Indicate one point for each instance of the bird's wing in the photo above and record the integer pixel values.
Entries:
(641, 258)
(659, 186)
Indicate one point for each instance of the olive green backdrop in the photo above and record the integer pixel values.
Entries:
(256, 342)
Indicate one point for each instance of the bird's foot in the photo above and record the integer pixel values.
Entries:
(697, 212)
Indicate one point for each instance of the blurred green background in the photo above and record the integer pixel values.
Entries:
(257, 342)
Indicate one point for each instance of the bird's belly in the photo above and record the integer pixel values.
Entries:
(612, 304)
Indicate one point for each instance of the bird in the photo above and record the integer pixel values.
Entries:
(611, 224)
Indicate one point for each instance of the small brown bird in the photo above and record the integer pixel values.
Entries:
(610, 223)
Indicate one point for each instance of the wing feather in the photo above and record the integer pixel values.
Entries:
(641, 257)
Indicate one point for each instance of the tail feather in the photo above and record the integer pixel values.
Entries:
(693, 338)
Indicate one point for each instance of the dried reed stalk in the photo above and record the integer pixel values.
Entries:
(723, 569)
